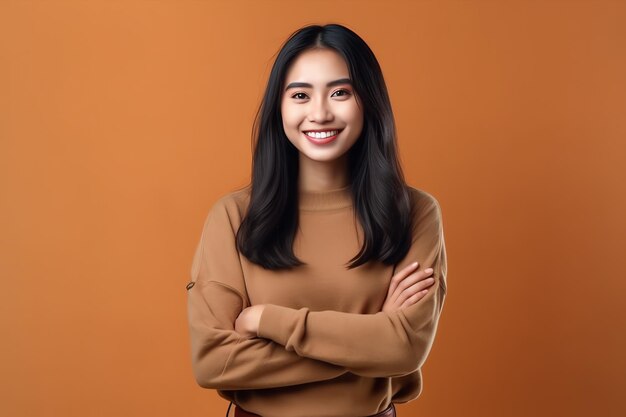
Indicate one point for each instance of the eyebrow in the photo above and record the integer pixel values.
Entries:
(330, 84)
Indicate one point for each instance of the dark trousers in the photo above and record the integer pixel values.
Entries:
(388, 412)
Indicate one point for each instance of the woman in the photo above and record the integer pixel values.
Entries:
(280, 323)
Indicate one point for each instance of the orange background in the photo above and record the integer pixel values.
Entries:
(121, 122)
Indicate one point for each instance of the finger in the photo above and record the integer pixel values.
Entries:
(416, 288)
(414, 278)
(400, 276)
(400, 293)
(414, 298)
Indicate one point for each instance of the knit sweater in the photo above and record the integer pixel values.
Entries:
(324, 347)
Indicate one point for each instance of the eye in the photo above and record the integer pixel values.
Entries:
(347, 93)
(298, 94)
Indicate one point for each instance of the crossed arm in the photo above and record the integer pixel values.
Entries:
(297, 346)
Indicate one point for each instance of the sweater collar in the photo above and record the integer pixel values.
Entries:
(326, 199)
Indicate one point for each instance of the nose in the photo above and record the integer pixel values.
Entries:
(319, 111)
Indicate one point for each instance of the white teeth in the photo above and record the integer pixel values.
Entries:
(322, 135)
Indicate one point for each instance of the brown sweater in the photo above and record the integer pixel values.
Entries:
(325, 348)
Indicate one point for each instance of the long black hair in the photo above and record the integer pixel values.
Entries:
(381, 198)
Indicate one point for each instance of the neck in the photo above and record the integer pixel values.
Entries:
(322, 175)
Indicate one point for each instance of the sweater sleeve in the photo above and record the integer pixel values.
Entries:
(376, 345)
(222, 358)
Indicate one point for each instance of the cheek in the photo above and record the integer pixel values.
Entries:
(290, 118)
(353, 115)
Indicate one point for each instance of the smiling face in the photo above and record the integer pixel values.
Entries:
(318, 96)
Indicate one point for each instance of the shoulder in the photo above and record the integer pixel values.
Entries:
(231, 207)
(425, 202)
(427, 215)
(235, 200)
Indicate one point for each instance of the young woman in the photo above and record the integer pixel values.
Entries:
(317, 289)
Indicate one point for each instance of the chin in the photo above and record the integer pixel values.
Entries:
(324, 155)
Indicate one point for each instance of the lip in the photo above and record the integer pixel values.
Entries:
(328, 129)
(324, 140)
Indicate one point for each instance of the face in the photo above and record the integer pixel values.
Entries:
(317, 97)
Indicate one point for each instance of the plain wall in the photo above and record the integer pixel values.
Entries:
(121, 122)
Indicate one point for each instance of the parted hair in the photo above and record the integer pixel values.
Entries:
(381, 198)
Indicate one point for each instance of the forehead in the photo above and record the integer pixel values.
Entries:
(317, 66)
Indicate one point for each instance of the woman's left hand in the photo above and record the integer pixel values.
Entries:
(247, 323)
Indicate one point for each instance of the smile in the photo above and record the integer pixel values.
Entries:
(321, 138)
(321, 135)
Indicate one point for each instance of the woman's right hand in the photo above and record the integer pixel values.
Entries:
(407, 287)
